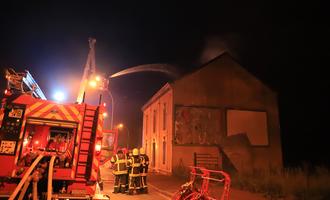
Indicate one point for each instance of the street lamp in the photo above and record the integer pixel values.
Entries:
(121, 126)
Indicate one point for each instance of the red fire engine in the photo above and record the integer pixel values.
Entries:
(48, 150)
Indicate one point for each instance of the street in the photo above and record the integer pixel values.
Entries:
(107, 178)
(153, 194)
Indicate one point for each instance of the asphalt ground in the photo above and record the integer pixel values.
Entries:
(164, 187)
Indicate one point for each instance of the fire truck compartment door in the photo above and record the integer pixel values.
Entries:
(52, 123)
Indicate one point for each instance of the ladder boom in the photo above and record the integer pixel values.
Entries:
(89, 69)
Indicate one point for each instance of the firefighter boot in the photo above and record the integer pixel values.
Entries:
(115, 190)
(130, 192)
(123, 189)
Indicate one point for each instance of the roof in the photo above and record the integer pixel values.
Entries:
(169, 85)
(157, 95)
(223, 56)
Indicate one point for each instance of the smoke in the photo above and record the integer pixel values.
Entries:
(217, 45)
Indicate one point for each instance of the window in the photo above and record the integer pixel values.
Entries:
(153, 154)
(164, 116)
(146, 125)
(154, 122)
(164, 150)
(251, 123)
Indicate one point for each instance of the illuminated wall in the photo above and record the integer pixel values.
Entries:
(251, 123)
(157, 131)
(220, 109)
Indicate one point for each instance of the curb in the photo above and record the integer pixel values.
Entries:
(168, 195)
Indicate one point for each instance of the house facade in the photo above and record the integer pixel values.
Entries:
(219, 116)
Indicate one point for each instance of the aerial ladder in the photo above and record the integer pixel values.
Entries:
(89, 70)
(21, 83)
(89, 73)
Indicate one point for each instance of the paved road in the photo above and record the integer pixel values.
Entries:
(108, 188)
(153, 194)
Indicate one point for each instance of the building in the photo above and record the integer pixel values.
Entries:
(220, 116)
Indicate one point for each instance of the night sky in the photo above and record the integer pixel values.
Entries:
(284, 45)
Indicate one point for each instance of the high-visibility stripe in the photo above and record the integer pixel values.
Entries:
(61, 113)
(33, 107)
(119, 172)
(50, 122)
(134, 175)
(36, 109)
(53, 116)
(43, 110)
(74, 110)
(74, 115)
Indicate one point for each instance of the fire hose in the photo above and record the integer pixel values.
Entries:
(25, 177)
(50, 178)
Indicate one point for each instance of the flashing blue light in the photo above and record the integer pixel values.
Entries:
(59, 96)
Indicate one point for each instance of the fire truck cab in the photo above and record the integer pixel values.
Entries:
(36, 133)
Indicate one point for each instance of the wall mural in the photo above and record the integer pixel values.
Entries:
(196, 125)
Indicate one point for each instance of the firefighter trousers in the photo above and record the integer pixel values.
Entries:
(144, 182)
(134, 184)
(120, 183)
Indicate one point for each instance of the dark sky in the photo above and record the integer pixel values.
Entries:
(284, 45)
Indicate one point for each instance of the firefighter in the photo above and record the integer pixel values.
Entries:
(120, 171)
(144, 170)
(134, 164)
(129, 154)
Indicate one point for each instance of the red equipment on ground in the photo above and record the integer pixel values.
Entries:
(189, 190)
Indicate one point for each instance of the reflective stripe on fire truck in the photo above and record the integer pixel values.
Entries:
(51, 123)
(53, 111)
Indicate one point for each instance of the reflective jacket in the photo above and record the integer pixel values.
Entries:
(119, 162)
(144, 164)
(134, 163)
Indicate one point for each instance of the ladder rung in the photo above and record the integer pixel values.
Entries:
(82, 163)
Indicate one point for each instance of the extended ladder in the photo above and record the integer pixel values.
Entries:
(87, 142)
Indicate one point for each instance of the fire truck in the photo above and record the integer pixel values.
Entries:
(48, 150)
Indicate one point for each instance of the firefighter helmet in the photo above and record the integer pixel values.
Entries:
(142, 151)
(135, 152)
